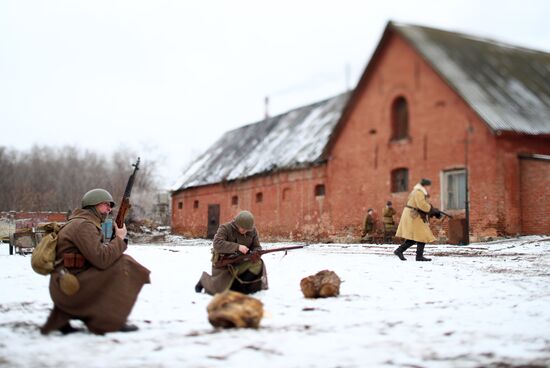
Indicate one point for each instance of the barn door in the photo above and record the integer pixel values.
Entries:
(213, 220)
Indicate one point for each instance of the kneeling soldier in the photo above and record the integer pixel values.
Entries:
(235, 237)
(107, 280)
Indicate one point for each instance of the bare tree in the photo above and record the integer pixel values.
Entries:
(47, 179)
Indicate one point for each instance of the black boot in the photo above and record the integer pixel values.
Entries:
(69, 329)
(403, 247)
(199, 287)
(420, 253)
(128, 328)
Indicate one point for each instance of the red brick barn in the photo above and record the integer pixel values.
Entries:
(463, 111)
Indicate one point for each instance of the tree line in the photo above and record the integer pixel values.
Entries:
(55, 179)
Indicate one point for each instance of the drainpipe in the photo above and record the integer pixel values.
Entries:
(469, 130)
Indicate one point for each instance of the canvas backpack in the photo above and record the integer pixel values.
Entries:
(43, 255)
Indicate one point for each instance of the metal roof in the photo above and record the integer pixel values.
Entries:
(288, 141)
(508, 86)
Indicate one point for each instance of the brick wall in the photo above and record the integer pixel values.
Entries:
(363, 156)
(535, 195)
(289, 208)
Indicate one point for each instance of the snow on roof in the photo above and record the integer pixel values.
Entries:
(508, 86)
(291, 140)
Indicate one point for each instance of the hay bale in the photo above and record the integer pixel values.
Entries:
(231, 309)
(323, 284)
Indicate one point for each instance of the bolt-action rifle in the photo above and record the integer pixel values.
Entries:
(253, 255)
(125, 202)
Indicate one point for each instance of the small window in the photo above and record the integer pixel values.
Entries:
(180, 205)
(319, 190)
(259, 197)
(400, 119)
(454, 190)
(286, 194)
(235, 200)
(399, 180)
(196, 203)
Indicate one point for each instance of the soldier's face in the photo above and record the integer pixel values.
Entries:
(104, 208)
(242, 230)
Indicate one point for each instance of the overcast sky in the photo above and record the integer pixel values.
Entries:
(168, 78)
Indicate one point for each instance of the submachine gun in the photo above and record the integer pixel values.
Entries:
(438, 214)
(125, 202)
(238, 258)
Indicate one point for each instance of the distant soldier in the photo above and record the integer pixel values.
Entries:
(389, 224)
(414, 224)
(235, 237)
(107, 281)
(368, 226)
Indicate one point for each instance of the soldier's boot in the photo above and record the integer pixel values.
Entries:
(420, 253)
(199, 287)
(403, 247)
(128, 328)
(67, 328)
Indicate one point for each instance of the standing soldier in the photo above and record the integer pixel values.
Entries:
(414, 225)
(368, 226)
(106, 282)
(235, 237)
(389, 224)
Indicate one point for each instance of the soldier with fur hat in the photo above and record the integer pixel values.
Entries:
(414, 224)
(238, 236)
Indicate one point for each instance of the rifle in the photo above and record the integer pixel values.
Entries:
(125, 203)
(237, 258)
(437, 213)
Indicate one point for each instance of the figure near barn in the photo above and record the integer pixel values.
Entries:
(368, 227)
(414, 224)
(389, 224)
(108, 281)
(237, 237)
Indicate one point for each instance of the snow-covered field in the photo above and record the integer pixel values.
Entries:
(483, 305)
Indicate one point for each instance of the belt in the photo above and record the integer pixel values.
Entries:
(73, 260)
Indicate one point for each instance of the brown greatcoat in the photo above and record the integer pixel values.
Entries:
(110, 281)
(411, 225)
(227, 241)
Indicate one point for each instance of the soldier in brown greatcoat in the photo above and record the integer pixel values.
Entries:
(368, 226)
(109, 281)
(389, 224)
(235, 237)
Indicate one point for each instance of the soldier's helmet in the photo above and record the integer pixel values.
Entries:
(96, 196)
(245, 219)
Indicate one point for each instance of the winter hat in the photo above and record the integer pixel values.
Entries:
(424, 182)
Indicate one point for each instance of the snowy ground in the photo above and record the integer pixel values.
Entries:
(483, 305)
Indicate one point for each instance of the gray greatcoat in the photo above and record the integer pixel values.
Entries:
(110, 281)
(227, 241)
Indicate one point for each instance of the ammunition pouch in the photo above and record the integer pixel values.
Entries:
(73, 260)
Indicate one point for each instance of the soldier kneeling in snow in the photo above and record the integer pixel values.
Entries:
(235, 237)
(107, 280)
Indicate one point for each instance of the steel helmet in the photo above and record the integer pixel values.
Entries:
(245, 219)
(96, 196)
